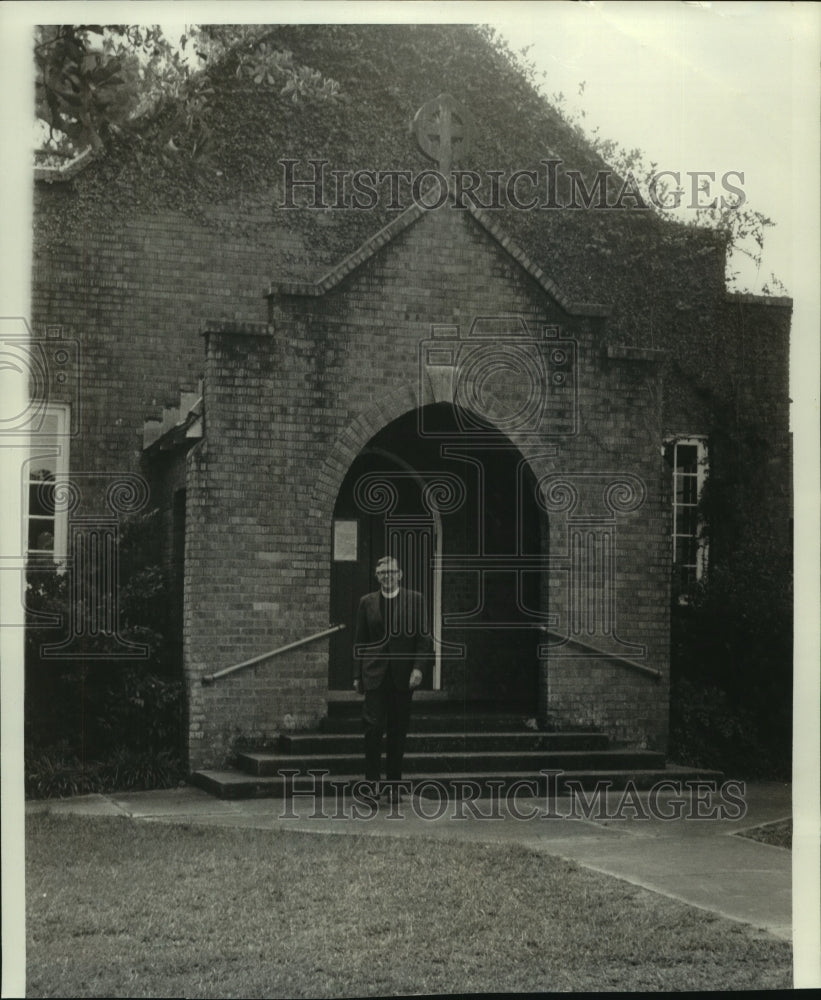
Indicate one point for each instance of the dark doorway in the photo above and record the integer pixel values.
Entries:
(459, 512)
(379, 511)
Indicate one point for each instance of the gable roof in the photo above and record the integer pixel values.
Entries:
(411, 215)
(629, 259)
(376, 66)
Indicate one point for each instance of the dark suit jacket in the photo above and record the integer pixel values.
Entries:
(410, 646)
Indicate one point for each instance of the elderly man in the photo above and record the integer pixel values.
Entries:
(393, 652)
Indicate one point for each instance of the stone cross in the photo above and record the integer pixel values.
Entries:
(443, 130)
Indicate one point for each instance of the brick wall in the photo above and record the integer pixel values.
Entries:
(290, 406)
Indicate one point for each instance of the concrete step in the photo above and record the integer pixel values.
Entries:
(434, 722)
(347, 704)
(446, 742)
(265, 764)
(232, 784)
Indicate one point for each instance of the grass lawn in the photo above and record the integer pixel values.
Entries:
(778, 834)
(117, 908)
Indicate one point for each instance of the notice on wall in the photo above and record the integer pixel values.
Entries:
(345, 536)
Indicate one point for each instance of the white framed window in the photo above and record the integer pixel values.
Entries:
(688, 457)
(45, 519)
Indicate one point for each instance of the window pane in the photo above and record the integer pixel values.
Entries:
(41, 534)
(50, 425)
(686, 520)
(41, 499)
(686, 489)
(43, 467)
(687, 458)
(686, 579)
(686, 551)
(46, 529)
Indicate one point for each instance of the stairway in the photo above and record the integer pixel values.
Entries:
(471, 749)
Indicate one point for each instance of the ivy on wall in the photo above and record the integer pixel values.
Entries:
(210, 147)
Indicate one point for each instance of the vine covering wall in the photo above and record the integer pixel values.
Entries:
(150, 240)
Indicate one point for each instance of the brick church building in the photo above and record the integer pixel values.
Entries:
(403, 320)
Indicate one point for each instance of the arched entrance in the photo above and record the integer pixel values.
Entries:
(458, 510)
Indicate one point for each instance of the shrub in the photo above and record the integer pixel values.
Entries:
(57, 772)
(102, 722)
(731, 696)
(708, 729)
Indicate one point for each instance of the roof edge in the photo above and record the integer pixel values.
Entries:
(52, 175)
(348, 264)
(524, 260)
(746, 298)
(407, 218)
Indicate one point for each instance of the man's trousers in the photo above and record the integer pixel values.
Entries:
(385, 711)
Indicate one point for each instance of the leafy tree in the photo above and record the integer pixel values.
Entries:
(93, 81)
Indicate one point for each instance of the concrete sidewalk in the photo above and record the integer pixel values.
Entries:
(700, 861)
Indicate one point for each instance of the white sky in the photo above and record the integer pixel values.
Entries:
(696, 86)
(710, 87)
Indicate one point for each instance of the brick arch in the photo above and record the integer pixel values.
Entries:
(377, 416)
(528, 522)
(352, 440)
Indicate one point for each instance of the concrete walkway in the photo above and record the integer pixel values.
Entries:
(696, 857)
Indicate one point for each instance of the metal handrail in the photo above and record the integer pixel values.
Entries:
(641, 668)
(210, 678)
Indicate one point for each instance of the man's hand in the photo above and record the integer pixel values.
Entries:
(415, 679)
(357, 685)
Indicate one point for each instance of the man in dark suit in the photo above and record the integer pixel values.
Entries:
(393, 653)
